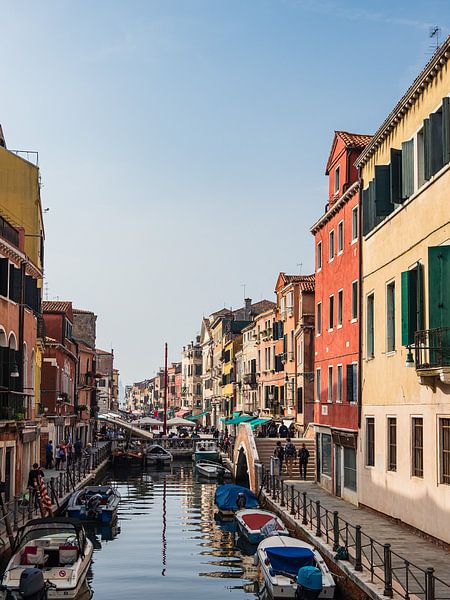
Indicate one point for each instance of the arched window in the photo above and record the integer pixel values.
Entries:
(12, 341)
(3, 339)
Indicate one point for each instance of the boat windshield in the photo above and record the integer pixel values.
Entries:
(63, 531)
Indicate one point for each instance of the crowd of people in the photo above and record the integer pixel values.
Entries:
(287, 454)
(65, 453)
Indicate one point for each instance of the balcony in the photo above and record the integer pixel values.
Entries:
(12, 407)
(432, 353)
(249, 379)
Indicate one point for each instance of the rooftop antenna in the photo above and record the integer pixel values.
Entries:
(243, 285)
(300, 269)
(435, 33)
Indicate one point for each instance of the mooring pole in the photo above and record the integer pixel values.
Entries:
(165, 390)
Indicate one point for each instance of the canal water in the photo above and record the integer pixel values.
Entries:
(167, 544)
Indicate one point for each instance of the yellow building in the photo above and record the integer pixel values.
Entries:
(404, 446)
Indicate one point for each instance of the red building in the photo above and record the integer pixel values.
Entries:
(337, 320)
(59, 372)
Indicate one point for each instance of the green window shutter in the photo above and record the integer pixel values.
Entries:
(439, 286)
(407, 169)
(365, 209)
(427, 145)
(436, 158)
(407, 318)
(396, 176)
(420, 325)
(445, 130)
(382, 192)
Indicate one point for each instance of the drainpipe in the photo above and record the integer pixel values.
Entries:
(360, 298)
(21, 330)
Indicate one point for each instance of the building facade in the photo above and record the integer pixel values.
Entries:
(191, 367)
(337, 341)
(404, 447)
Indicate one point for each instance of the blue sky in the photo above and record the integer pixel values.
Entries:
(183, 144)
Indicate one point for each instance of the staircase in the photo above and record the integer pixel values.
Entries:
(265, 447)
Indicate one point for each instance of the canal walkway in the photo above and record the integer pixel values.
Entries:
(60, 485)
(385, 559)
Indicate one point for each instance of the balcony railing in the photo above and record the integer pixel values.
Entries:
(249, 378)
(432, 348)
(12, 407)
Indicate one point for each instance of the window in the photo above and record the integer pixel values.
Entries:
(354, 300)
(325, 454)
(330, 384)
(319, 318)
(317, 385)
(350, 469)
(444, 450)
(390, 317)
(392, 443)
(370, 442)
(319, 256)
(331, 313)
(352, 382)
(412, 303)
(340, 307)
(283, 307)
(339, 384)
(337, 178)
(355, 224)
(340, 237)
(290, 303)
(417, 447)
(370, 332)
(331, 246)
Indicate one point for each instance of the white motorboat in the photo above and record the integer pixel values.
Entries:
(156, 454)
(256, 524)
(209, 469)
(206, 450)
(282, 560)
(58, 548)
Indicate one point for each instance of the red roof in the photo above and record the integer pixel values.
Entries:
(357, 141)
(306, 282)
(58, 306)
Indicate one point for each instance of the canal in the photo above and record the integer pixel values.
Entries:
(167, 544)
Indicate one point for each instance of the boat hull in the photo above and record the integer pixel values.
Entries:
(106, 516)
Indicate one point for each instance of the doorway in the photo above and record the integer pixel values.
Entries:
(338, 470)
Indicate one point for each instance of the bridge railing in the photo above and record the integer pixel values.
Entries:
(396, 573)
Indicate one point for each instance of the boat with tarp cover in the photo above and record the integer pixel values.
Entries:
(256, 524)
(230, 498)
(282, 559)
(94, 503)
(57, 547)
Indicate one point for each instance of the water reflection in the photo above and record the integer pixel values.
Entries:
(167, 542)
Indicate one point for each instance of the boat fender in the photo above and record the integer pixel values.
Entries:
(309, 583)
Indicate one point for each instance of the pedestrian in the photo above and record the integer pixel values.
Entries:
(292, 430)
(303, 461)
(290, 454)
(49, 455)
(78, 447)
(278, 452)
(283, 431)
(88, 453)
(216, 434)
(34, 475)
(69, 453)
(60, 456)
(272, 430)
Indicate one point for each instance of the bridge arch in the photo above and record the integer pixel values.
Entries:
(242, 468)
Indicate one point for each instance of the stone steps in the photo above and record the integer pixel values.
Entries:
(265, 447)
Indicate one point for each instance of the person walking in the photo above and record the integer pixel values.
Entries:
(78, 447)
(290, 454)
(283, 431)
(303, 461)
(60, 456)
(278, 452)
(49, 455)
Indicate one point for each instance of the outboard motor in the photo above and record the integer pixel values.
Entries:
(241, 500)
(32, 585)
(92, 505)
(309, 583)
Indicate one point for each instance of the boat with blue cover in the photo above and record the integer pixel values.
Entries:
(230, 498)
(282, 560)
(94, 503)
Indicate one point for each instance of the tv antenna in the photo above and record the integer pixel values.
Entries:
(300, 265)
(434, 34)
(243, 286)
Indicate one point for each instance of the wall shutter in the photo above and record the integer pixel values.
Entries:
(419, 324)
(406, 317)
(285, 343)
(446, 130)
(407, 169)
(4, 275)
(14, 284)
(300, 400)
(280, 330)
(436, 158)
(31, 293)
(382, 192)
(439, 286)
(365, 209)
(355, 382)
(349, 383)
(396, 176)
(275, 330)
(427, 144)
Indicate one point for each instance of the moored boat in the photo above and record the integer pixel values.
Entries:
(58, 548)
(206, 450)
(210, 470)
(156, 454)
(283, 561)
(257, 524)
(94, 503)
(126, 458)
(230, 498)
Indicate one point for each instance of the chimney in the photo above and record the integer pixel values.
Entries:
(247, 309)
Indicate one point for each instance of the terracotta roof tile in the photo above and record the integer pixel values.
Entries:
(56, 306)
(307, 282)
(354, 140)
